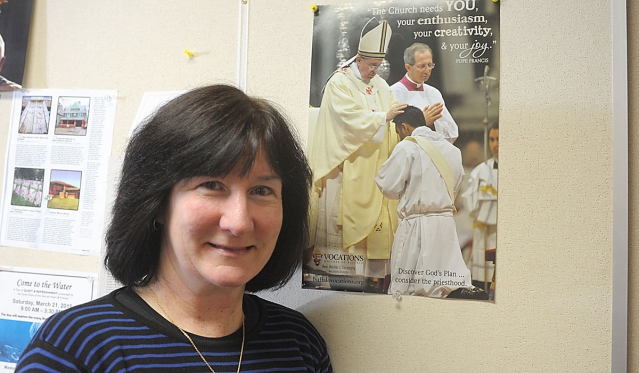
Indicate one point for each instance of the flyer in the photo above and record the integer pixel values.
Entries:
(56, 170)
(28, 297)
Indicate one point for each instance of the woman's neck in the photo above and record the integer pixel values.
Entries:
(205, 312)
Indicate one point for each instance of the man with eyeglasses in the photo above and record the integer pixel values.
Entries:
(353, 223)
(413, 90)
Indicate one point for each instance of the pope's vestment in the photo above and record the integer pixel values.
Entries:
(422, 95)
(350, 218)
(426, 257)
(481, 200)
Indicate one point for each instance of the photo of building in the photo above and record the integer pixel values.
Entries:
(64, 189)
(72, 116)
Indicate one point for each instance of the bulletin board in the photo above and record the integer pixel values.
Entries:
(563, 208)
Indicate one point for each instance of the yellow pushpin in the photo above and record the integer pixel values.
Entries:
(188, 53)
(314, 8)
(494, 1)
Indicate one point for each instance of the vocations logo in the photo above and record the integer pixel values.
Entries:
(317, 257)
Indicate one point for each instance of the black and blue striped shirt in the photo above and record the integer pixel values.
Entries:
(121, 333)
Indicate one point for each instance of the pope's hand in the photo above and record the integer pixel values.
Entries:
(394, 111)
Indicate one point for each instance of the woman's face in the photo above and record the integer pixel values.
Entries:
(221, 231)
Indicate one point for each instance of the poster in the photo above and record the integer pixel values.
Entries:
(56, 173)
(15, 19)
(463, 36)
(28, 297)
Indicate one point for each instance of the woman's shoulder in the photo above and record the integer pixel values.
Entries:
(275, 309)
(86, 316)
(67, 338)
(286, 335)
(277, 317)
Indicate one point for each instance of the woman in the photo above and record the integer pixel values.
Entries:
(212, 203)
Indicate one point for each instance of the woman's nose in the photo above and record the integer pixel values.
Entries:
(236, 216)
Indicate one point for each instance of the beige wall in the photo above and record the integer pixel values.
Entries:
(554, 306)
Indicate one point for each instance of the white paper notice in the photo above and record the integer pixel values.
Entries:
(151, 102)
(56, 172)
(28, 297)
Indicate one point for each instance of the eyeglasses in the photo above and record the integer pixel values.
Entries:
(424, 67)
(372, 67)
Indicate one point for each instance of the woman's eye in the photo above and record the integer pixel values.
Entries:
(213, 185)
(263, 191)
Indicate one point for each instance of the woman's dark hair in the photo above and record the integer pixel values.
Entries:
(208, 131)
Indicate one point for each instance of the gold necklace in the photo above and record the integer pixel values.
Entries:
(239, 363)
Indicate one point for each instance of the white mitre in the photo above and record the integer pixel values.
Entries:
(374, 43)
